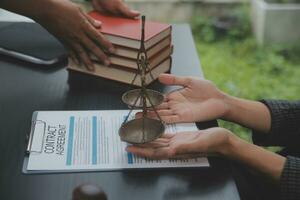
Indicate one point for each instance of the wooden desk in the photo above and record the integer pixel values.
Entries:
(25, 88)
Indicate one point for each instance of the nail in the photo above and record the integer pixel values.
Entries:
(91, 68)
(112, 50)
(97, 23)
(135, 12)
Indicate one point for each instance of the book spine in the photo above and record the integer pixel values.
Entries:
(80, 69)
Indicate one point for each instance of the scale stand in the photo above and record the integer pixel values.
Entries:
(144, 129)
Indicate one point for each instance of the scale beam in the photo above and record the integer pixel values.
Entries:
(144, 129)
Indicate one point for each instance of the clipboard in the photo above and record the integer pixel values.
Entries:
(35, 144)
(29, 140)
(29, 149)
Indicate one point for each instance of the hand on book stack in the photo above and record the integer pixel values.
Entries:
(125, 35)
(76, 30)
(115, 7)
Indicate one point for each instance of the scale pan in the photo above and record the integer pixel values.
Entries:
(132, 131)
(131, 96)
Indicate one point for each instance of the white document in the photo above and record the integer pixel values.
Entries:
(89, 140)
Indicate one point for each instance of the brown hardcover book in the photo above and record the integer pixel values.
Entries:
(132, 53)
(131, 63)
(123, 75)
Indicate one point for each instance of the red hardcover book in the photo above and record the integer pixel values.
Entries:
(127, 32)
(123, 75)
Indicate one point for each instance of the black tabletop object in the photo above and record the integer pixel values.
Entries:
(26, 88)
(88, 192)
(30, 42)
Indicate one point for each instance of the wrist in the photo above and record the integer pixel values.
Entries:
(230, 146)
(228, 106)
(222, 141)
(44, 10)
(233, 109)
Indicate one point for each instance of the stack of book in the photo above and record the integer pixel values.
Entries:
(125, 35)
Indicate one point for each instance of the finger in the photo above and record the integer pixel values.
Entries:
(169, 79)
(162, 106)
(83, 56)
(163, 139)
(153, 115)
(168, 135)
(73, 57)
(127, 12)
(163, 114)
(144, 152)
(95, 23)
(139, 115)
(171, 119)
(94, 49)
(192, 155)
(166, 112)
(154, 153)
(97, 37)
(153, 145)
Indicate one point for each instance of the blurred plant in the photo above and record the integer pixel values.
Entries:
(203, 28)
(283, 1)
(242, 28)
(235, 26)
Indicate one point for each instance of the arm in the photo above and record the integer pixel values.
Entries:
(68, 23)
(74, 28)
(283, 171)
(274, 122)
(201, 100)
(255, 157)
(251, 114)
(213, 141)
(285, 126)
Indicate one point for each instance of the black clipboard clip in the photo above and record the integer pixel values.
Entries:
(40, 126)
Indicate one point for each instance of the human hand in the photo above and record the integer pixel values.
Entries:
(198, 100)
(115, 7)
(185, 144)
(77, 31)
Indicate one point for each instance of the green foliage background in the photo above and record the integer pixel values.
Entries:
(238, 66)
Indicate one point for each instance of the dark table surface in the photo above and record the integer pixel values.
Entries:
(25, 88)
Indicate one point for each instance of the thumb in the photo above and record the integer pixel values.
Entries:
(169, 79)
(92, 21)
(127, 12)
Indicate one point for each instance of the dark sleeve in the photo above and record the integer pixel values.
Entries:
(290, 179)
(285, 124)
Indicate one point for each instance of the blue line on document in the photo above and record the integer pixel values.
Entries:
(94, 153)
(70, 141)
(129, 157)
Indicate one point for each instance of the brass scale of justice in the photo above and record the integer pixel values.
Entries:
(144, 129)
